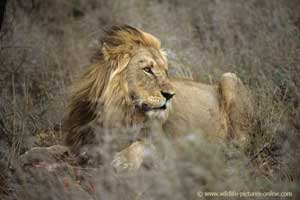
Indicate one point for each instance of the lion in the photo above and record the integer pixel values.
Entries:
(128, 85)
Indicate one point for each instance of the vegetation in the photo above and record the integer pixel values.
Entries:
(45, 45)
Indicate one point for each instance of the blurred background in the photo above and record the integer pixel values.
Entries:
(46, 44)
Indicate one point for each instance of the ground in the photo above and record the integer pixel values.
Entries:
(45, 45)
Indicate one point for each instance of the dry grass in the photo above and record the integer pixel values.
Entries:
(44, 45)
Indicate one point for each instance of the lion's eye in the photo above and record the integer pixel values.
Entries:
(148, 70)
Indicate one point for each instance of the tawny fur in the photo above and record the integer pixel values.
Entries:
(113, 90)
(101, 89)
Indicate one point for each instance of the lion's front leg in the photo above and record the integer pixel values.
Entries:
(129, 158)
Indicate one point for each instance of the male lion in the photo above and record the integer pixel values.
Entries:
(129, 85)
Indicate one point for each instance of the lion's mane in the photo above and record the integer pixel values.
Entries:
(102, 88)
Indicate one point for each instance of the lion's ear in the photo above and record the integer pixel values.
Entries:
(122, 63)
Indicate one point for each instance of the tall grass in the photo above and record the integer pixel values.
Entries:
(44, 45)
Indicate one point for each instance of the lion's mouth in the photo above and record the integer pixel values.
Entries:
(146, 107)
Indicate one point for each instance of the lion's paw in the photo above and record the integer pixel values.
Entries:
(130, 158)
(121, 163)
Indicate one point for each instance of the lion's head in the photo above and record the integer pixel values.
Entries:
(128, 83)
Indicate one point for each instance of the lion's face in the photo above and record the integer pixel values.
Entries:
(148, 84)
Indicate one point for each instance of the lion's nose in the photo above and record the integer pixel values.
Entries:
(167, 95)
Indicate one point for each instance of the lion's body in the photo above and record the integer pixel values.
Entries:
(196, 108)
(129, 84)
